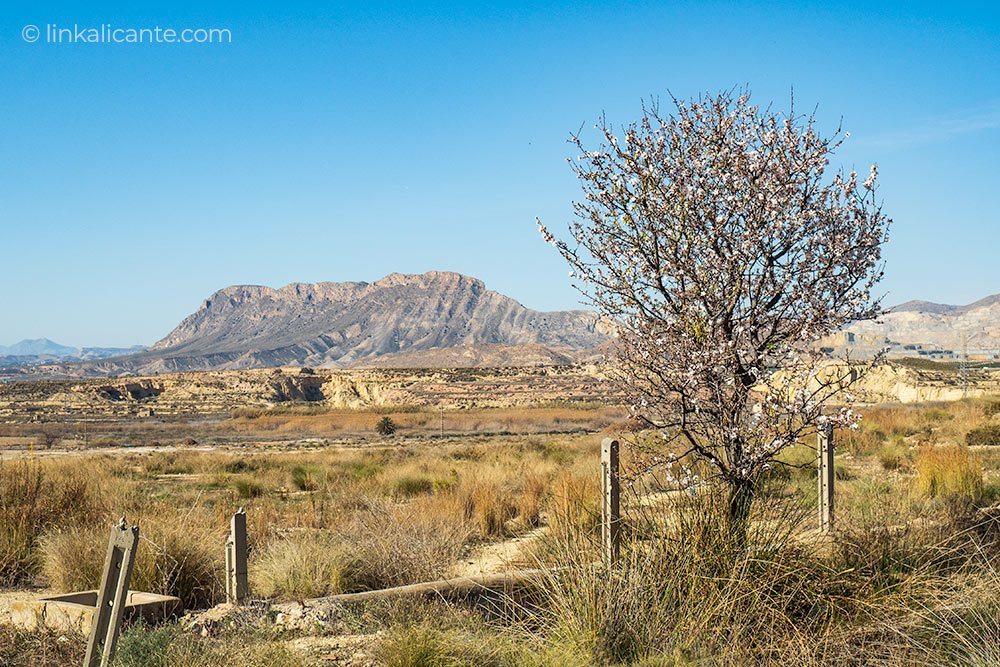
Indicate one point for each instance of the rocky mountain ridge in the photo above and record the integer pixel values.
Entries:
(333, 325)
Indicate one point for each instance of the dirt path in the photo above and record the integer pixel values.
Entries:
(339, 650)
(497, 557)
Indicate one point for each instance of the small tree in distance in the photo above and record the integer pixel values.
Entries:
(385, 426)
(714, 240)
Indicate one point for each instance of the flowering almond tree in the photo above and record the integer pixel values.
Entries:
(716, 242)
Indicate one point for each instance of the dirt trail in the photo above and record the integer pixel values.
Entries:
(497, 557)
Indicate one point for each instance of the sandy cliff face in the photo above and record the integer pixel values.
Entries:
(898, 383)
(219, 392)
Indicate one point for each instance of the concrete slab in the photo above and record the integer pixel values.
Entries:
(74, 611)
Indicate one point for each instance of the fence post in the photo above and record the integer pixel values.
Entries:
(610, 502)
(236, 559)
(826, 477)
(106, 625)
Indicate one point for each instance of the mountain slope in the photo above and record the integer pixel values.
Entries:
(336, 324)
(936, 326)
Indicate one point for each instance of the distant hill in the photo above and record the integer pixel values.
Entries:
(928, 307)
(37, 346)
(334, 325)
(40, 351)
(935, 326)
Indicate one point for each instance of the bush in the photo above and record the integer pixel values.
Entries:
(891, 457)
(179, 558)
(395, 544)
(412, 485)
(248, 488)
(32, 501)
(492, 507)
(304, 479)
(950, 473)
(237, 466)
(385, 426)
(988, 435)
(304, 566)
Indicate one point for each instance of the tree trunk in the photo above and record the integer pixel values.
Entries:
(741, 494)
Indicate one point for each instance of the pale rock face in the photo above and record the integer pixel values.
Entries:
(330, 325)
(923, 322)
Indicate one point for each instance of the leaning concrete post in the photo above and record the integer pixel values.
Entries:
(826, 477)
(236, 559)
(112, 595)
(610, 502)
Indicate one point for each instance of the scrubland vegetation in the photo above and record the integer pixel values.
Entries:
(911, 576)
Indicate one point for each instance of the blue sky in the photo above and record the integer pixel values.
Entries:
(346, 142)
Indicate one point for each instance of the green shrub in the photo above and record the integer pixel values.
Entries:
(143, 646)
(304, 479)
(385, 426)
(412, 485)
(430, 645)
(358, 471)
(248, 488)
(243, 643)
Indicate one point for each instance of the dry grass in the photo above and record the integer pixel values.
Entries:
(950, 473)
(302, 566)
(339, 422)
(23, 648)
(908, 575)
(176, 556)
(573, 507)
(34, 499)
(395, 545)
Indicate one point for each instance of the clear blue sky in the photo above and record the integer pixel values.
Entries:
(346, 142)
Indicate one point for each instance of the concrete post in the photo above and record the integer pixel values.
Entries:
(236, 559)
(610, 502)
(825, 477)
(112, 595)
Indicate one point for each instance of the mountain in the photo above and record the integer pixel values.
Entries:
(925, 307)
(37, 346)
(40, 351)
(924, 328)
(482, 355)
(333, 325)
